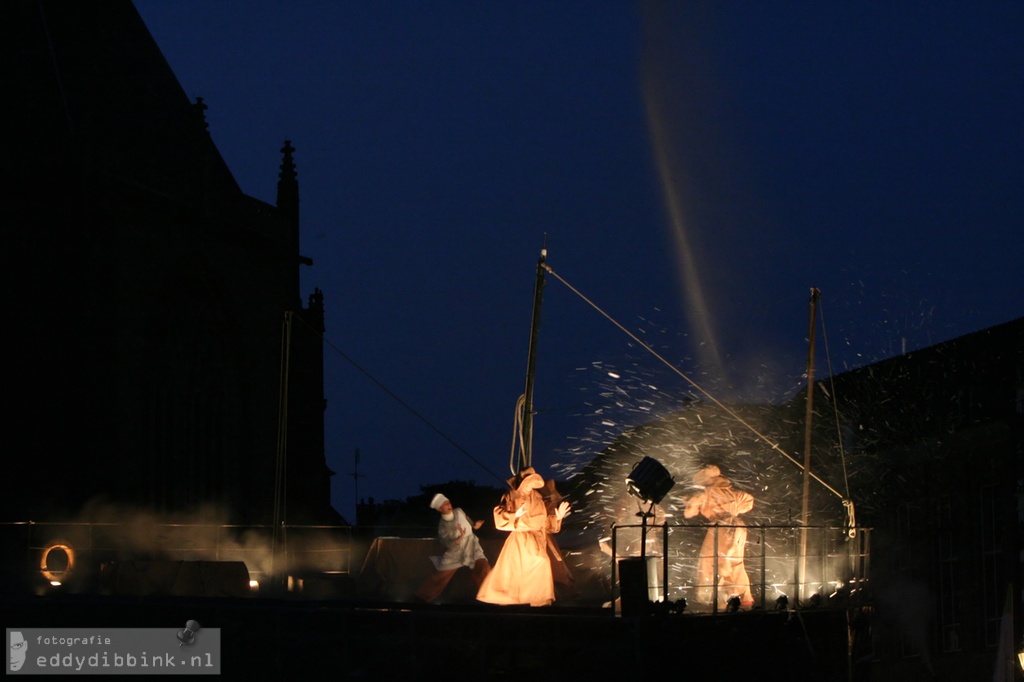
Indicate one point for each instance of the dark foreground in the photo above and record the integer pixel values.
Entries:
(283, 638)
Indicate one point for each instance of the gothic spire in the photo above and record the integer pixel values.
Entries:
(199, 107)
(288, 184)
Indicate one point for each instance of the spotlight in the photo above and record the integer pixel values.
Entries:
(840, 596)
(649, 481)
(782, 603)
(733, 605)
(57, 562)
(669, 607)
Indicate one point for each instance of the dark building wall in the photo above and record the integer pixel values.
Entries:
(146, 291)
(931, 453)
(935, 441)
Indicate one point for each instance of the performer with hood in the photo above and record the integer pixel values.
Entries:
(461, 548)
(522, 573)
(721, 504)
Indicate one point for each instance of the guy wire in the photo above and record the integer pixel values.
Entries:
(775, 446)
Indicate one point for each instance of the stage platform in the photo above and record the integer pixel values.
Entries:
(358, 639)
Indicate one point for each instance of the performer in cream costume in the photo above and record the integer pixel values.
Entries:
(721, 504)
(461, 548)
(523, 573)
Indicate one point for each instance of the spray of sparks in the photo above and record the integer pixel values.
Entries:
(634, 411)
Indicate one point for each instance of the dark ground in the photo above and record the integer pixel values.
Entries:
(352, 639)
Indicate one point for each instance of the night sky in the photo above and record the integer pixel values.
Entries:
(692, 168)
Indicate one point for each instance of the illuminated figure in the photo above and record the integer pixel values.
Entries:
(461, 548)
(19, 650)
(522, 573)
(721, 504)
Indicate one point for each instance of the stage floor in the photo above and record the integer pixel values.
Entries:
(354, 639)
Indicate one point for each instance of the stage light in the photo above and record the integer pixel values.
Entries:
(675, 608)
(57, 562)
(649, 481)
(733, 605)
(782, 603)
(840, 596)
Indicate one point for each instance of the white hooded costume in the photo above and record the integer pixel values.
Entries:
(461, 548)
(461, 545)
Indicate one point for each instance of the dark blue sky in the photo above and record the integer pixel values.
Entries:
(696, 169)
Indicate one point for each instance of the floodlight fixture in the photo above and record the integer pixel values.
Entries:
(57, 562)
(649, 481)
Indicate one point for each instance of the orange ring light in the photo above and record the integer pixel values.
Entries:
(57, 575)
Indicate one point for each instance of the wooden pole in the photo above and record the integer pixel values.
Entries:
(526, 456)
(805, 505)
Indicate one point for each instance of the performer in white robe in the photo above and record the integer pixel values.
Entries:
(461, 548)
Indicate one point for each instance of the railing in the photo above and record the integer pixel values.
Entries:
(837, 565)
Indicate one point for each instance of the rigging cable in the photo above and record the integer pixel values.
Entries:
(518, 438)
(56, 67)
(775, 446)
(400, 401)
(851, 516)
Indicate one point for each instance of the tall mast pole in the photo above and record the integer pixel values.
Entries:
(805, 508)
(355, 481)
(278, 537)
(526, 454)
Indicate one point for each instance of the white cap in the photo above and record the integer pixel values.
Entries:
(438, 500)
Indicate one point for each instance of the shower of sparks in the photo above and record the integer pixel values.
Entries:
(635, 410)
